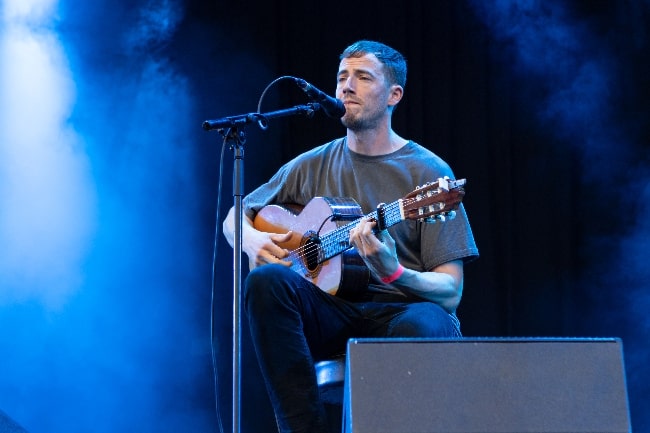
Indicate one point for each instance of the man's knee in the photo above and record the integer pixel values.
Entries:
(265, 282)
(426, 320)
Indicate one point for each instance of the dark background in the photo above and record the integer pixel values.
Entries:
(542, 106)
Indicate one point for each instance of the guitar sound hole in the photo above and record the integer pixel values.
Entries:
(312, 253)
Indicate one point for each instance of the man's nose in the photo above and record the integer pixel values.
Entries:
(348, 85)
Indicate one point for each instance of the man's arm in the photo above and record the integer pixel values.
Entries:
(442, 285)
(260, 247)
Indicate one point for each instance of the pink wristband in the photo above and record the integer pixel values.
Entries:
(395, 275)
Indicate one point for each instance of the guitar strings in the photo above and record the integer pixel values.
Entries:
(340, 236)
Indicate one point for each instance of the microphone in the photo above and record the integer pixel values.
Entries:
(331, 106)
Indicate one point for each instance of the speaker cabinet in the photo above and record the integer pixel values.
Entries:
(485, 386)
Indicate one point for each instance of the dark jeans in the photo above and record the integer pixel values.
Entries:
(293, 323)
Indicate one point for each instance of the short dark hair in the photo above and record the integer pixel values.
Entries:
(393, 61)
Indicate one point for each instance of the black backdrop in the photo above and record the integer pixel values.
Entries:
(543, 109)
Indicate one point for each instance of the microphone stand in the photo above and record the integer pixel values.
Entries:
(231, 129)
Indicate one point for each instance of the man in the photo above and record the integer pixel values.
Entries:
(417, 267)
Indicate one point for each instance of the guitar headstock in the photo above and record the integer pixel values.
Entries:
(434, 201)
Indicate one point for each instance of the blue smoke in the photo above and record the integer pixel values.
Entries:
(47, 197)
(100, 273)
(580, 57)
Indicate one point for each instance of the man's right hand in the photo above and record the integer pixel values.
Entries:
(262, 248)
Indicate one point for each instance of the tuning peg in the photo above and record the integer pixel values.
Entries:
(443, 183)
(446, 216)
(433, 219)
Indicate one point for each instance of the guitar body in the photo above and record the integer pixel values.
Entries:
(340, 275)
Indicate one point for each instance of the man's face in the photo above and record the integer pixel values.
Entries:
(365, 91)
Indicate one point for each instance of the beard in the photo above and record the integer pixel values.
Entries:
(357, 123)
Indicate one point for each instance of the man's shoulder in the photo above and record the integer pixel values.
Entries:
(423, 154)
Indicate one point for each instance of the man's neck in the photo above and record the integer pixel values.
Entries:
(374, 142)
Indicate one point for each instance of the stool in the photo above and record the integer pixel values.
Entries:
(330, 376)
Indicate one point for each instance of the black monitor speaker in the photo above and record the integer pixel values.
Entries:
(485, 386)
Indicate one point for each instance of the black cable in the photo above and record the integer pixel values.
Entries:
(215, 251)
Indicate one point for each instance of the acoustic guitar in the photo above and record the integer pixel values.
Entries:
(320, 250)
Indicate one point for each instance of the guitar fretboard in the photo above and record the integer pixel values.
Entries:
(338, 240)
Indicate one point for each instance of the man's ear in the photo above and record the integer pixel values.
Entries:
(396, 93)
